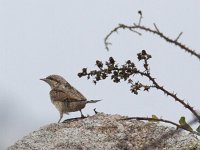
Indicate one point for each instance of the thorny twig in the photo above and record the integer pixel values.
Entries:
(168, 135)
(157, 86)
(156, 27)
(140, 13)
(156, 32)
(165, 121)
(178, 36)
(129, 70)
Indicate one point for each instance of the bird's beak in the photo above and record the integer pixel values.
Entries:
(45, 80)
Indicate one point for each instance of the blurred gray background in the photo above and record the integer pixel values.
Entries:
(39, 38)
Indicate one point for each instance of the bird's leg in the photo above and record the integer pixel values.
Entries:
(82, 116)
(61, 115)
(96, 112)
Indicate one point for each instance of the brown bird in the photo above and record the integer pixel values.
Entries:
(65, 97)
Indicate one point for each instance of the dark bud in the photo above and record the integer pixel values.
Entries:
(128, 62)
(132, 65)
(125, 78)
(135, 70)
(80, 75)
(84, 70)
(116, 66)
(139, 56)
(129, 70)
(135, 92)
(144, 52)
(97, 78)
(112, 76)
(140, 12)
(148, 56)
(93, 72)
(132, 90)
(104, 76)
(116, 80)
(109, 71)
(115, 73)
(107, 63)
(95, 82)
(99, 64)
(137, 87)
(121, 73)
(130, 81)
(112, 61)
(146, 88)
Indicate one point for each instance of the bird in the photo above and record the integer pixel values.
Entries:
(65, 97)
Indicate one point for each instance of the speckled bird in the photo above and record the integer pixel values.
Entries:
(65, 97)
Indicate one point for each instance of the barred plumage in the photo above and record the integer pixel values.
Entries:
(65, 97)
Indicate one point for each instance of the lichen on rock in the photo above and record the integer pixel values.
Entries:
(107, 132)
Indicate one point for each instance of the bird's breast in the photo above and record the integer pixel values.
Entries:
(59, 106)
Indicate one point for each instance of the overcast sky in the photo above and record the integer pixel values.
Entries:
(39, 38)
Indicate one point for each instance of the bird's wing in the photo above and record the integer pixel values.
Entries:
(65, 95)
(74, 93)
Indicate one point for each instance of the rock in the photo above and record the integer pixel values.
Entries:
(107, 132)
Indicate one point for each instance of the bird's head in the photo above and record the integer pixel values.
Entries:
(55, 81)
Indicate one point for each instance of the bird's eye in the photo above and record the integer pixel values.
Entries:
(49, 78)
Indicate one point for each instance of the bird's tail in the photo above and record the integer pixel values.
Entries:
(93, 101)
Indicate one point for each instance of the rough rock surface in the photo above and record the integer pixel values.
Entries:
(106, 132)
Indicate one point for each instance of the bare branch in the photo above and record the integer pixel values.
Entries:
(156, 32)
(163, 120)
(178, 36)
(106, 38)
(140, 13)
(127, 71)
(135, 32)
(168, 135)
(156, 27)
(174, 96)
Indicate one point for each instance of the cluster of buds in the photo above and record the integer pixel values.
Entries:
(137, 86)
(144, 56)
(125, 72)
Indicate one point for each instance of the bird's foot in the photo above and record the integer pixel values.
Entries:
(96, 112)
(82, 116)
